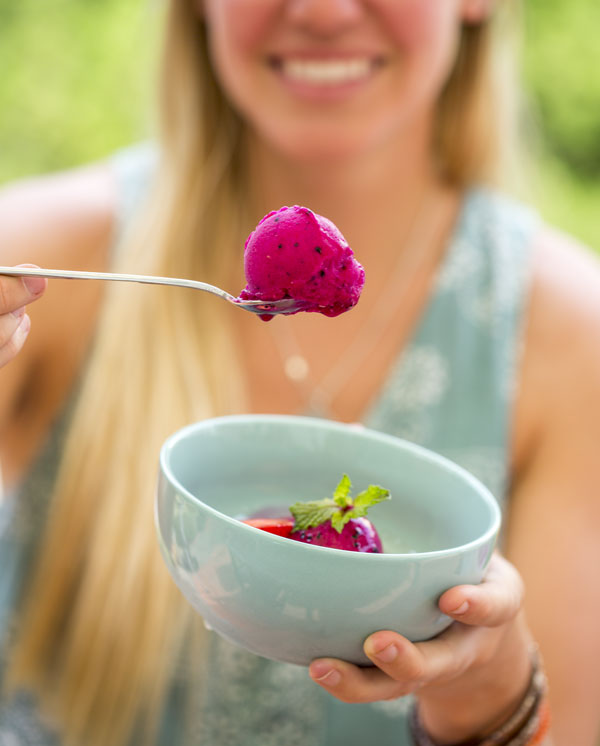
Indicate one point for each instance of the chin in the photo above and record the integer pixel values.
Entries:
(326, 144)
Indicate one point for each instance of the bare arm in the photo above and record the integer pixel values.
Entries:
(554, 524)
(59, 220)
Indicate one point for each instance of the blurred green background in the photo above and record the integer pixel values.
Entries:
(76, 75)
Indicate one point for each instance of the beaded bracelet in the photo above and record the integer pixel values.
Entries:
(544, 725)
(525, 727)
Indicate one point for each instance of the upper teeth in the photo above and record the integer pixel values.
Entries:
(331, 71)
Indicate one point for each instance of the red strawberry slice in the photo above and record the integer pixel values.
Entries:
(278, 526)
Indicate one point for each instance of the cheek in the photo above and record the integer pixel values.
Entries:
(238, 26)
(420, 26)
(236, 29)
(426, 33)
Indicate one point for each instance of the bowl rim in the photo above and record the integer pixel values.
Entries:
(307, 421)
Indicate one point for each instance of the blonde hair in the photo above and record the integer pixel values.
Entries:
(481, 111)
(104, 624)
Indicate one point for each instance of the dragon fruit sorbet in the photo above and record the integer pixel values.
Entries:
(295, 253)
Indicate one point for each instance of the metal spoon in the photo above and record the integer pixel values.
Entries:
(264, 308)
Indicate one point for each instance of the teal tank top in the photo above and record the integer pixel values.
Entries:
(452, 390)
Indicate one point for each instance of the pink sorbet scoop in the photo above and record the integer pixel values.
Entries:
(295, 253)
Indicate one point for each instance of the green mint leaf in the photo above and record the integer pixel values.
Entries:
(309, 514)
(339, 520)
(365, 500)
(338, 509)
(341, 494)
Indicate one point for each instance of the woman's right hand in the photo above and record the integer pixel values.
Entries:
(15, 294)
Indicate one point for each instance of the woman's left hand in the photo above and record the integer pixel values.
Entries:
(468, 679)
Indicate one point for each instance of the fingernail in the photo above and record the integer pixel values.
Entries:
(19, 312)
(327, 676)
(34, 285)
(461, 609)
(387, 654)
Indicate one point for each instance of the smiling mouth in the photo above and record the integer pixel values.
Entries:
(328, 72)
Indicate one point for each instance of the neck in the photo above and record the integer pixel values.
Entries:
(371, 196)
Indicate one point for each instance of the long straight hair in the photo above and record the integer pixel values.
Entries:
(102, 622)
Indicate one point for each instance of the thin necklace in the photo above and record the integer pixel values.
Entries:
(318, 395)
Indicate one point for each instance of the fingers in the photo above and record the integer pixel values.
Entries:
(15, 293)
(403, 667)
(14, 328)
(495, 601)
(350, 683)
(19, 291)
(434, 661)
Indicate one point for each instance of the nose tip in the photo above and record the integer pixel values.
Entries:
(325, 16)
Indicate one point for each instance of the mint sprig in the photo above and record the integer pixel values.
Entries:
(341, 493)
(339, 508)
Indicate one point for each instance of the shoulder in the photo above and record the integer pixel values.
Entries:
(75, 215)
(565, 302)
(60, 217)
(560, 386)
(497, 217)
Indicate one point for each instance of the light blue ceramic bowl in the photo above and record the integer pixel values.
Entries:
(295, 602)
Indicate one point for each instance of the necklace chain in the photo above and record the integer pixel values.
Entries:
(318, 396)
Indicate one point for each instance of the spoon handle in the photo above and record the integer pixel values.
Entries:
(145, 279)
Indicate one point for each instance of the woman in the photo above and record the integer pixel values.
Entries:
(384, 116)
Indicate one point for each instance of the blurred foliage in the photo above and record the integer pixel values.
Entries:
(75, 80)
(76, 83)
(562, 71)
(562, 66)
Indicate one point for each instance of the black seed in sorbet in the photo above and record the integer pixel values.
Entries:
(296, 245)
(280, 246)
(318, 249)
(322, 273)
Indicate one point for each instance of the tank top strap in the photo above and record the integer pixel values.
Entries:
(134, 168)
